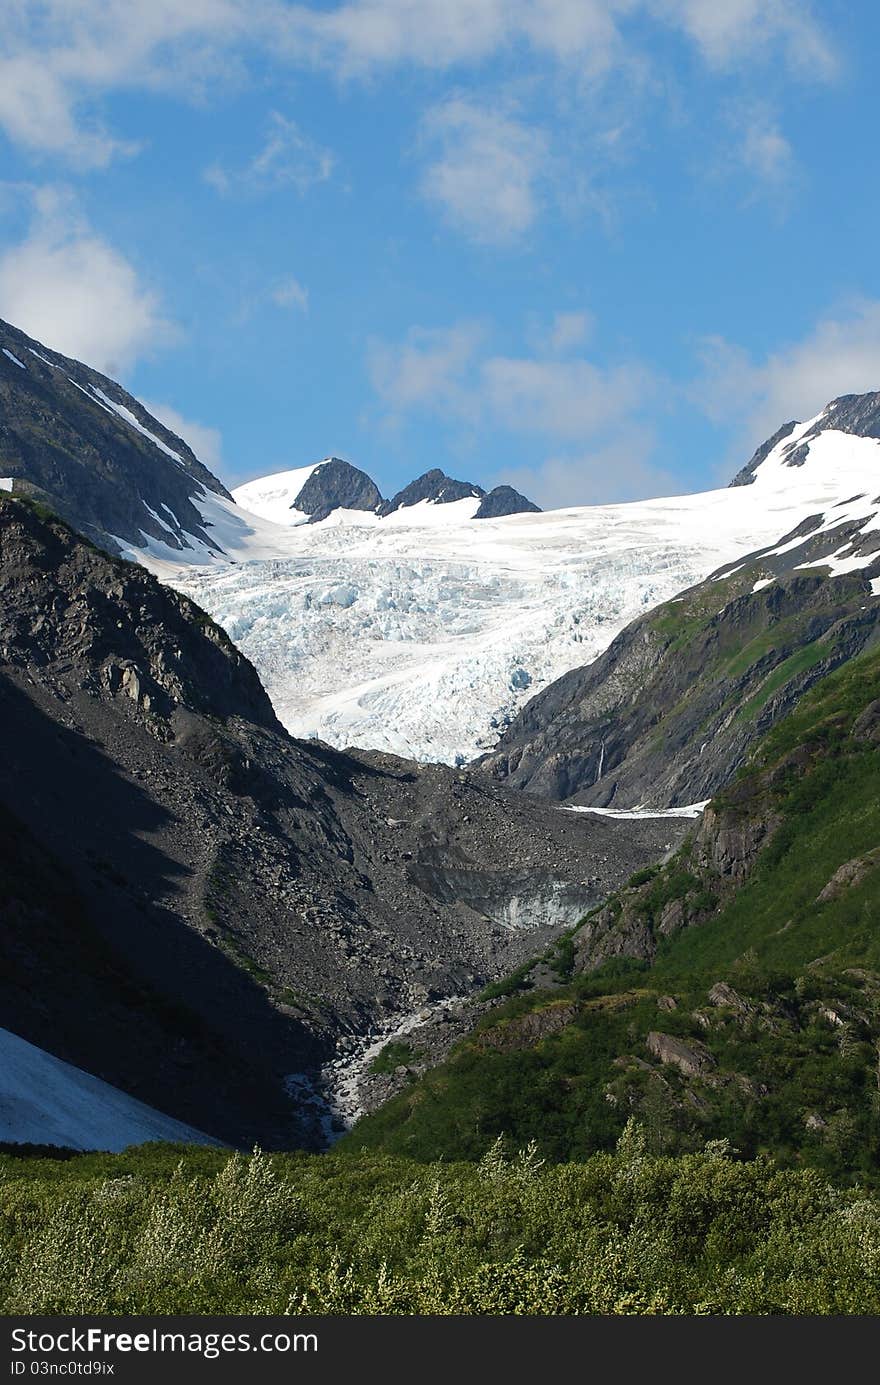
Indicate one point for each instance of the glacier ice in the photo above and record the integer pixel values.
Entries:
(424, 633)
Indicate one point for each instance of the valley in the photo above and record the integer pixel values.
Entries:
(346, 797)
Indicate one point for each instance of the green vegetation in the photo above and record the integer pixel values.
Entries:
(169, 1229)
(785, 1060)
(394, 1055)
(508, 985)
(801, 661)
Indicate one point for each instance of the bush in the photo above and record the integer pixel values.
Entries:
(162, 1230)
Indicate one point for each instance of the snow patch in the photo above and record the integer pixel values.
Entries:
(690, 810)
(6, 483)
(46, 1101)
(44, 359)
(14, 359)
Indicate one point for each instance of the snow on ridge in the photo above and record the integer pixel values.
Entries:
(272, 497)
(46, 1101)
(436, 513)
(128, 417)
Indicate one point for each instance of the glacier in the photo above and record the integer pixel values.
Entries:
(423, 633)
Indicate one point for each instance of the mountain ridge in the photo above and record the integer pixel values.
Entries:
(197, 907)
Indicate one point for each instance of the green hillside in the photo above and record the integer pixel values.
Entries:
(739, 995)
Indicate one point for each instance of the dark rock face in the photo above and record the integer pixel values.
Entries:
(435, 486)
(62, 441)
(196, 906)
(504, 500)
(691, 1058)
(335, 485)
(858, 414)
(670, 710)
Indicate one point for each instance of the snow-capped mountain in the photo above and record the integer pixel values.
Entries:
(310, 494)
(401, 625)
(424, 635)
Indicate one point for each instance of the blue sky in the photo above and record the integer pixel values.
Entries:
(598, 248)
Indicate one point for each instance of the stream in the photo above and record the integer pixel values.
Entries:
(330, 1099)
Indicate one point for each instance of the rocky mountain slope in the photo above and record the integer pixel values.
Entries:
(80, 442)
(733, 993)
(670, 710)
(197, 907)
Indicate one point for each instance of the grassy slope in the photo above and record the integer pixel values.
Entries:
(795, 1056)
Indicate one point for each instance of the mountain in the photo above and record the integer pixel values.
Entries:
(197, 908)
(855, 414)
(673, 706)
(419, 633)
(731, 994)
(310, 493)
(81, 443)
(504, 500)
(436, 488)
(433, 488)
(313, 494)
(426, 636)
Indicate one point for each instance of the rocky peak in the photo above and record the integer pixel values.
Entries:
(434, 486)
(746, 476)
(857, 414)
(64, 601)
(77, 440)
(336, 484)
(504, 500)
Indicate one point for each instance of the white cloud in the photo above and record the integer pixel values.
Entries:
(560, 398)
(36, 111)
(841, 355)
(566, 331)
(427, 370)
(766, 152)
(587, 33)
(206, 442)
(734, 31)
(290, 293)
(486, 179)
(448, 372)
(68, 287)
(582, 419)
(287, 158)
(621, 469)
(441, 33)
(60, 57)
